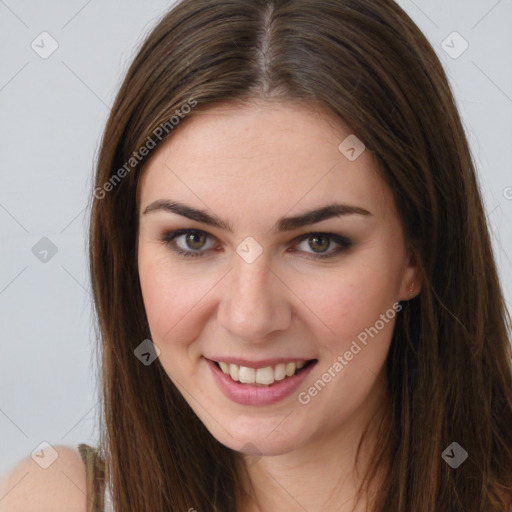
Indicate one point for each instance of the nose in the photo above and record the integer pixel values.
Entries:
(254, 303)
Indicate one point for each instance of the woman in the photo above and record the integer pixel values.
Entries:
(245, 369)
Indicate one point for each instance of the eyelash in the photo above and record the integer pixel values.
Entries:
(168, 237)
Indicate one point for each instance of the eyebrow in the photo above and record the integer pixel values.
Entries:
(282, 225)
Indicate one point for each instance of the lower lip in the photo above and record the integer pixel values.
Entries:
(246, 394)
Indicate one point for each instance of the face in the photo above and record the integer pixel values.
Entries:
(233, 271)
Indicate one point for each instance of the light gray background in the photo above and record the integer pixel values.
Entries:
(52, 115)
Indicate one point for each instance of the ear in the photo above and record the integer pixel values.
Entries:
(411, 283)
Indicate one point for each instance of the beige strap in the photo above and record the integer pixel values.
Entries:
(95, 470)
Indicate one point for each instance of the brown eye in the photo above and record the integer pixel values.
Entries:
(195, 240)
(316, 243)
(191, 244)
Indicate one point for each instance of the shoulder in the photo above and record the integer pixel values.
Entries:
(60, 487)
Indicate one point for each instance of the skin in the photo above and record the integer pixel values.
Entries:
(251, 165)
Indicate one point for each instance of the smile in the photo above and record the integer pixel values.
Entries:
(267, 384)
(262, 376)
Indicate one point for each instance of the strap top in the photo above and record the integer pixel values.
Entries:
(98, 496)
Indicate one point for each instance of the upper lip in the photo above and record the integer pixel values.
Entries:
(260, 363)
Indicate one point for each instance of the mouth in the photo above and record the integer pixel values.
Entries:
(267, 376)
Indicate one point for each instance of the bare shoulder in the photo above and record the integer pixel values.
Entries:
(60, 487)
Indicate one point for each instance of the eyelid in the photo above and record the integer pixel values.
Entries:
(343, 243)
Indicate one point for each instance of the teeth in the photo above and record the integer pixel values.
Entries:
(265, 375)
(247, 375)
(261, 376)
(233, 371)
(280, 371)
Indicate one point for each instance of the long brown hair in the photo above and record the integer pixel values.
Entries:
(449, 364)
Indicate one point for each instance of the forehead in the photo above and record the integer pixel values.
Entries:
(265, 157)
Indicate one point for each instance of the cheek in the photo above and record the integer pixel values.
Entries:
(359, 306)
(347, 303)
(172, 300)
